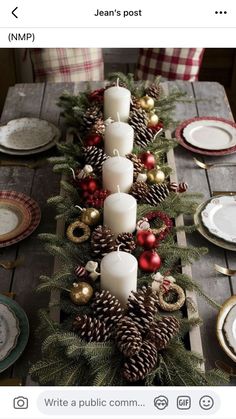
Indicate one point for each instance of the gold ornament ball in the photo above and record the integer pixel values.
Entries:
(81, 293)
(90, 216)
(147, 103)
(152, 119)
(156, 176)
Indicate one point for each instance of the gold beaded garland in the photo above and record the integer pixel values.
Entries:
(156, 176)
(90, 216)
(81, 293)
(147, 103)
(78, 225)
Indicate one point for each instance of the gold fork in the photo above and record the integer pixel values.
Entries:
(30, 165)
(225, 271)
(208, 166)
(11, 264)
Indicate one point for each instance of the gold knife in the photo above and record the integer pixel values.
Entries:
(224, 193)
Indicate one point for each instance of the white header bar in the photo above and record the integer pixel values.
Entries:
(114, 13)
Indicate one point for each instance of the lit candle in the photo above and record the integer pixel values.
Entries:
(120, 213)
(117, 171)
(117, 101)
(119, 271)
(120, 136)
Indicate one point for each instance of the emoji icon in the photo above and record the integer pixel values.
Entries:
(161, 402)
(206, 402)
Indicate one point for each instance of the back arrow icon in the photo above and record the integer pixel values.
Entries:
(13, 12)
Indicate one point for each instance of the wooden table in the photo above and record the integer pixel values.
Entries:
(39, 100)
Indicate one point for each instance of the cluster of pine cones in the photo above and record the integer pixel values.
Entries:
(137, 332)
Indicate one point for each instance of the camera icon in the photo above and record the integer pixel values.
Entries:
(20, 403)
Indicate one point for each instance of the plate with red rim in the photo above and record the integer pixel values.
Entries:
(25, 216)
(182, 141)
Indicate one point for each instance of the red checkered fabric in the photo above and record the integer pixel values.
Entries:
(171, 63)
(67, 64)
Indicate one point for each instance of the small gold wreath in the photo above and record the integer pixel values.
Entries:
(72, 227)
(171, 306)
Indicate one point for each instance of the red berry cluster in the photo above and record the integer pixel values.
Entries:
(97, 199)
(96, 95)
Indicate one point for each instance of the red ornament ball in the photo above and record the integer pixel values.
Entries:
(148, 160)
(149, 261)
(93, 140)
(89, 185)
(146, 239)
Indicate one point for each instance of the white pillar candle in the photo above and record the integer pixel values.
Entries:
(119, 271)
(120, 213)
(120, 136)
(117, 102)
(117, 171)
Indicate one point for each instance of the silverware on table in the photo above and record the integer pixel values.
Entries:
(11, 264)
(30, 165)
(208, 166)
(11, 382)
(224, 193)
(225, 271)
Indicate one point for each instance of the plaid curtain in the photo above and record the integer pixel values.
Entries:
(67, 64)
(171, 63)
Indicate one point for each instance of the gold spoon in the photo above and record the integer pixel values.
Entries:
(10, 264)
(225, 271)
(208, 166)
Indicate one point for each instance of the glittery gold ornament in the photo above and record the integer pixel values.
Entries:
(152, 119)
(90, 216)
(78, 226)
(156, 176)
(81, 293)
(147, 103)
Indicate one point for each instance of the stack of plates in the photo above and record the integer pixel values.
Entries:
(26, 136)
(215, 219)
(226, 327)
(208, 136)
(14, 332)
(19, 217)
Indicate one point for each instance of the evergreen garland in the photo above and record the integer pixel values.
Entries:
(69, 360)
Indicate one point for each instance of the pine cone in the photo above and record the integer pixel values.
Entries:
(141, 364)
(154, 91)
(106, 307)
(95, 157)
(92, 329)
(142, 307)
(138, 165)
(103, 241)
(143, 136)
(173, 186)
(137, 117)
(163, 331)
(139, 191)
(128, 337)
(156, 194)
(135, 103)
(90, 116)
(98, 127)
(126, 242)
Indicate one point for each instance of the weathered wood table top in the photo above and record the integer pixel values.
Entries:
(39, 100)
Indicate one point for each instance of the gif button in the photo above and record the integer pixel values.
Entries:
(184, 402)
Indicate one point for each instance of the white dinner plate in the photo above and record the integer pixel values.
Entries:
(219, 217)
(9, 331)
(26, 134)
(210, 134)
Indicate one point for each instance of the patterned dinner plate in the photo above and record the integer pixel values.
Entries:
(226, 137)
(19, 217)
(23, 337)
(15, 218)
(206, 233)
(219, 217)
(9, 330)
(26, 134)
(226, 327)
